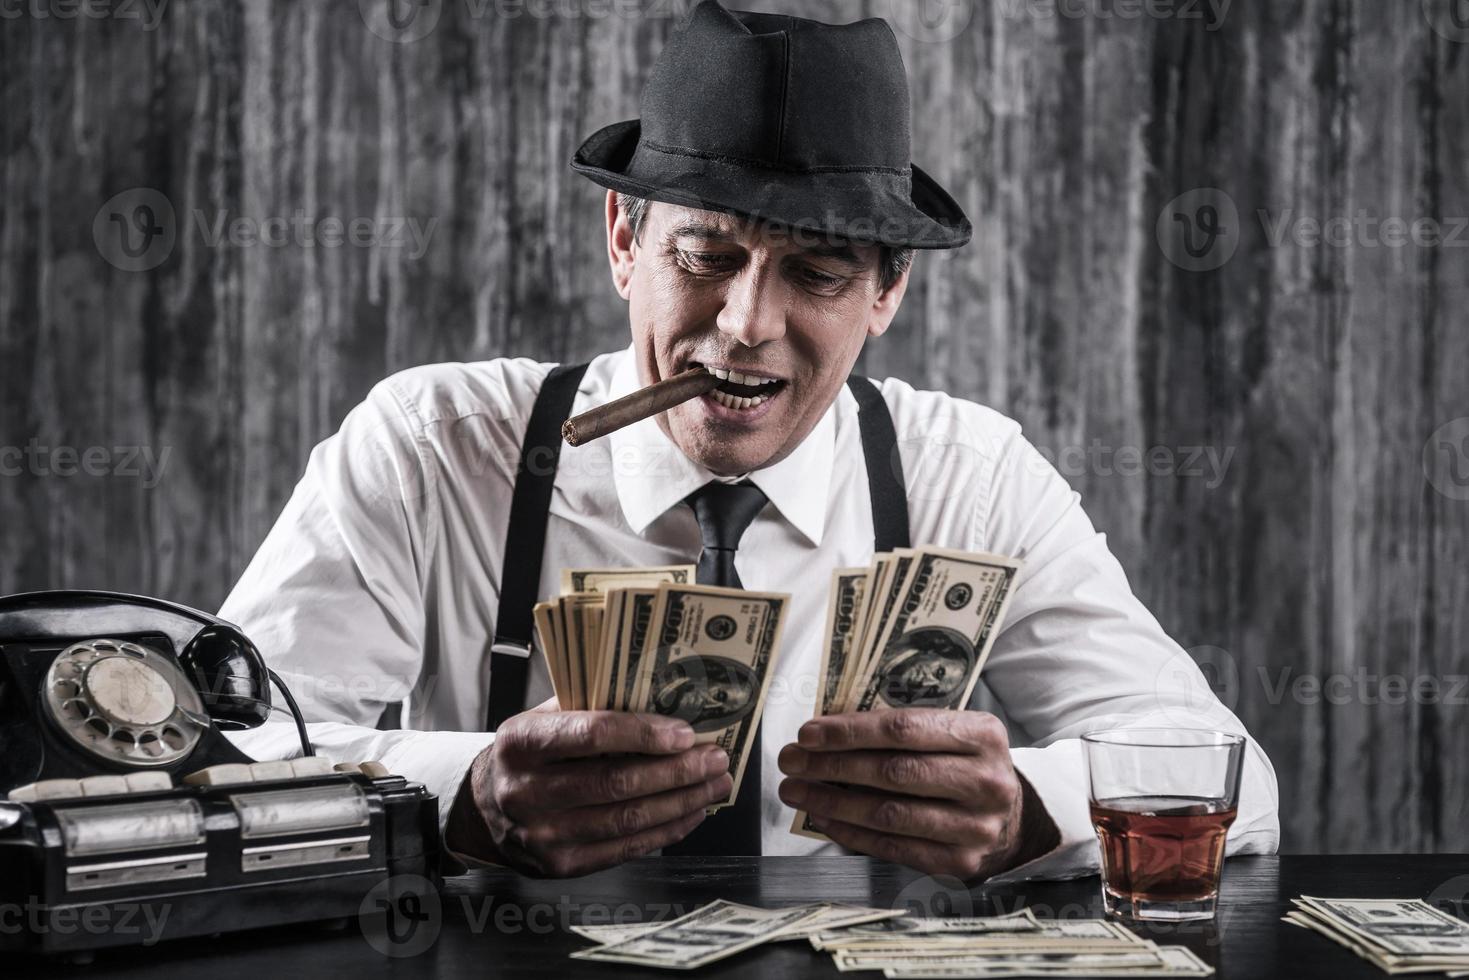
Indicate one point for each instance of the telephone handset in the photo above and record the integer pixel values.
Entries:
(104, 681)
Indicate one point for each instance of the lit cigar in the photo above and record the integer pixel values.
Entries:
(639, 405)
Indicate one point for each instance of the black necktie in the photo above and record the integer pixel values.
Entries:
(724, 510)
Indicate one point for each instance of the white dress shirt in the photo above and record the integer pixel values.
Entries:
(380, 580)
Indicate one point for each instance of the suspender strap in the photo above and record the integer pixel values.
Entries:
(525, 542)
(884, 465)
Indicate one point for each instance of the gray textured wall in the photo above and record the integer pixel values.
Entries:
(1273, 432)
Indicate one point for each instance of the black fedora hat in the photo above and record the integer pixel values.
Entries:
(782, 119)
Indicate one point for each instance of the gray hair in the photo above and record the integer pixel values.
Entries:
(891, 262)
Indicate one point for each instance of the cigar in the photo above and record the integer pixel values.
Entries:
(639, 405)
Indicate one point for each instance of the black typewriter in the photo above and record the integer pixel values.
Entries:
(125, 804)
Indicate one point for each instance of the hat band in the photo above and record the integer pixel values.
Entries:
(653, 146)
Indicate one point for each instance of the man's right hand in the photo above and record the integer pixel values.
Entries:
(564, 793)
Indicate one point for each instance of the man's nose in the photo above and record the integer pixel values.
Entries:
(754, 307)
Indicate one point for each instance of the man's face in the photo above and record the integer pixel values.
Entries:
(712, 290)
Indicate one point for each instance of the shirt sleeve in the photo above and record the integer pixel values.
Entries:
(1079, 652)
(335, 599)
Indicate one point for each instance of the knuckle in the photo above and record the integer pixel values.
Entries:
(890, 814)
(618, 783)
(632, 848)
(630, 819)
(989, 730)
(969, 863)
(900, 725)
(902, 770)
(510, 792)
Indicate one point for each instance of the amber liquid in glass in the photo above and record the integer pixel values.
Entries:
(1159, 849)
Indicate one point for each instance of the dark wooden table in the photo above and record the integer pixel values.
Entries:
(494, 924)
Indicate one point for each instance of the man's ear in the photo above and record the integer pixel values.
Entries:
(885, 306)
(620, 246)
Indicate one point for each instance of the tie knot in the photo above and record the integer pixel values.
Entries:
(724, 510)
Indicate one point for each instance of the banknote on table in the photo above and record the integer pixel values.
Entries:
(821, 916)
(1163, 961)
(1398, 935)
(924, 625)
(713, 932)
(708, 658)
(1006, 946)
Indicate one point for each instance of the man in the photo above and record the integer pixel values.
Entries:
(760, 219)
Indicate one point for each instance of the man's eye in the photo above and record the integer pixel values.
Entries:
(820, 280)
(705, 261)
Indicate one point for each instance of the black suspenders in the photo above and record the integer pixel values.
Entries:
(525, 539)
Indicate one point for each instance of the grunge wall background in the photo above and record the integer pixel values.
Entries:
(1220, 273)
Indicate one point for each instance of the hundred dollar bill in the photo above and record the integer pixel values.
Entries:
(821, 915)
(843, 611)
(940, 630)
(881, 594)
(1397, 935)
(711, 933)
(632, 635)
(917, 929)
(708, 658)
(1158, 961)
(1050, 936)
(844, 606)
(543, 613)
(602, 579)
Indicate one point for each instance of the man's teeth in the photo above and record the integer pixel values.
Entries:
(738, 378)
(734, 401)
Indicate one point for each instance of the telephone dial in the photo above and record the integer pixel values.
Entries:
(120, 790)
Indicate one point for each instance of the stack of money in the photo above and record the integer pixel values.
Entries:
(649, 640)
(912, 630)
(1399, 935)
(1013, 945)
(885, 939)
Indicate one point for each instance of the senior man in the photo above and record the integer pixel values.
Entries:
(761, 218)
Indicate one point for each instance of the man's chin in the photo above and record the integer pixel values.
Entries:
(722, 450)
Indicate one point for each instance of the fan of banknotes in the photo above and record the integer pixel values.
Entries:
(1399, 935)
(911, 630)
(649, 640)
(899, 945)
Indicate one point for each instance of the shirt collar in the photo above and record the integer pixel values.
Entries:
(652, 474)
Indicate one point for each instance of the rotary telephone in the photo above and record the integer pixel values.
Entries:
(121, 791)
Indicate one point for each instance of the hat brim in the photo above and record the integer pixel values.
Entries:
(855, 205)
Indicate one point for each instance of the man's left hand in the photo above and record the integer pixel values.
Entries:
(933, 789)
